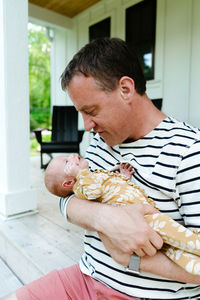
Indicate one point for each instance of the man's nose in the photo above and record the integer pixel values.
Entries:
(89, 124)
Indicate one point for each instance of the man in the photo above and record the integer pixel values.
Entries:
(107, 86)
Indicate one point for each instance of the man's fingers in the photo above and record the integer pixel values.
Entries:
(153, 242)
(140, 252)
(156, 240)
(150, 250)
(150, 247)
(148, 209)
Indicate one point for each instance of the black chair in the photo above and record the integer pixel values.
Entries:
(157, 103)
(65, 136)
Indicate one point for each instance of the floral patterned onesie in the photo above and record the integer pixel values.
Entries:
(180, 244)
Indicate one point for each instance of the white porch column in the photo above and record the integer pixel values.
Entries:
(16, 196)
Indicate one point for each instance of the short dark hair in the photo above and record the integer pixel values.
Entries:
(106, 60)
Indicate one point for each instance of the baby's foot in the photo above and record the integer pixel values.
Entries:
(126, 169)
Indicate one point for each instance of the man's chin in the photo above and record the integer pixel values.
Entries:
(108, 140)
(110, 143)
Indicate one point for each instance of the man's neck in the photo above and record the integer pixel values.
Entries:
(147, 118)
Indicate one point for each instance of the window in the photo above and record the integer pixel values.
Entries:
(100, 29)
(140, 33)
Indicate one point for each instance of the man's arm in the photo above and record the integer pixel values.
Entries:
(113, 225)
(124, 226)
(152, 264)
(168, 270)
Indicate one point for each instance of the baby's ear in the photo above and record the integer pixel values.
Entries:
(69, 183)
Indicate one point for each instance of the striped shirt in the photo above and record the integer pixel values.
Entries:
(167, 166)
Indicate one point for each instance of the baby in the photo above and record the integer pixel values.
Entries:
(68, 174)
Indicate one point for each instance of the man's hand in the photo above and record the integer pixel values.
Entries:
(125, 231)
(120, 257)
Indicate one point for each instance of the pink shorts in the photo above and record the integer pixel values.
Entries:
(69, 283)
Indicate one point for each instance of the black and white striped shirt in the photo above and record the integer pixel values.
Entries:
(167, 166)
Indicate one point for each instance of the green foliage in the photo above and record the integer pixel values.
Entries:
(39, 77)
(34, 146)
(40, 117)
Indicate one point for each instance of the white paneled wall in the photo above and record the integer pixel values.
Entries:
(194, 84)
(177, 60)
(177, 51)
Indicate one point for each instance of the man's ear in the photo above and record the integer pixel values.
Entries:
(69, 183)
(127, 87)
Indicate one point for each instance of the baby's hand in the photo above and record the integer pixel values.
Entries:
(126, 169)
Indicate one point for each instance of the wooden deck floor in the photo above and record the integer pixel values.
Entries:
(9, 282)
(34, 245)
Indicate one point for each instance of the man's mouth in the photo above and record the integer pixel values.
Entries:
(98, 131)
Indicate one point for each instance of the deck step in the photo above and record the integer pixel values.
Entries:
(34, 245)
(9, 282)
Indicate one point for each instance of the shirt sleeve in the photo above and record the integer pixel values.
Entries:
(63, 205)
(188, 187)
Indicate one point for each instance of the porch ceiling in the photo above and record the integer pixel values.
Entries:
(68, 8)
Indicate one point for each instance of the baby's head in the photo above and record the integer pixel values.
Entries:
(60, 175)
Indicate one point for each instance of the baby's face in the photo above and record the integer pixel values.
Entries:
(74, 164)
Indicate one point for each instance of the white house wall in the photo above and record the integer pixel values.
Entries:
(116, 10)
(194, 84)
(177, 49)
(177, 58)
(176, 53)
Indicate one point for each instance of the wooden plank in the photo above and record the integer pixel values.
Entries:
(34, 245)
(42, 245)
(9, 282)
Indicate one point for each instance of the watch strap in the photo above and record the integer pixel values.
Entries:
(134, 264)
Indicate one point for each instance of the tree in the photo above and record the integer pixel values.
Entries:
(39, 76)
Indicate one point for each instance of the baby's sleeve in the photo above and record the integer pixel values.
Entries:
(87, 187)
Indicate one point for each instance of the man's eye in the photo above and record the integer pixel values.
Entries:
(89, 112)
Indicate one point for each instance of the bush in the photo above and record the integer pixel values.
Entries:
(39, 77)
(40, 118)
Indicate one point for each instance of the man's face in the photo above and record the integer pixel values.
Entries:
(104, 112)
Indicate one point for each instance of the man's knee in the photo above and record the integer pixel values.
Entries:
(10, 297)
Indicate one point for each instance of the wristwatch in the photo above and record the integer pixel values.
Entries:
(134, 264)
